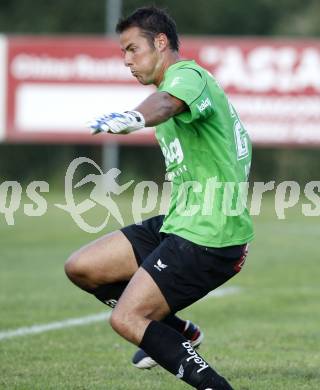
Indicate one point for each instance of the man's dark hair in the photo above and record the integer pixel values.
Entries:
(152, 21)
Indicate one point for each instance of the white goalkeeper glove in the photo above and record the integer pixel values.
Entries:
(115, 122)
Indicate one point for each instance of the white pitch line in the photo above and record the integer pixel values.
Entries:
(7, 334)
(35, 329)
(222, 292)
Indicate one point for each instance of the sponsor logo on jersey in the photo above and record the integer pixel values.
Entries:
(204, 104)
(172, 152)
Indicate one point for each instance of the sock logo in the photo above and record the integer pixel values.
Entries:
(181, 372)
(193, 355)
(111, 302)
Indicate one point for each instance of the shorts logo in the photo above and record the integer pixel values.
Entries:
(193, 355)
(160, 266)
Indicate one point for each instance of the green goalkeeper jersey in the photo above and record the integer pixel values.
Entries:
(207, 154)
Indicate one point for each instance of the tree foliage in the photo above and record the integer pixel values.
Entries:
(221, 17)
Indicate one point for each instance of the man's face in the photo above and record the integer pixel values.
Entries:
(143, 60)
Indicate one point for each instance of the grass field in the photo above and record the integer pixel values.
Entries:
(265, 337)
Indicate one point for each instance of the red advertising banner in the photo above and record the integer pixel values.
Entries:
(55, 85)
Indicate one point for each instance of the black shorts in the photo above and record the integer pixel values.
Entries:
(184, 271)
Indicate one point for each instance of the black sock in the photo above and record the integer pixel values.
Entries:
(110, 293)
(175, 322)
(174, 353)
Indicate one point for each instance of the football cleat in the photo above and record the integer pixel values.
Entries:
(192, 333)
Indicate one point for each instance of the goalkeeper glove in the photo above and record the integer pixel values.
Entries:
(125, 122)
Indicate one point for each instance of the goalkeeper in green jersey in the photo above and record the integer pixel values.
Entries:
(151, 270)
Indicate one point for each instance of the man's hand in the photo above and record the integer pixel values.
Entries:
(125, 122)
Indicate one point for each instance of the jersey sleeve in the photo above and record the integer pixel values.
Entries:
(190, 86)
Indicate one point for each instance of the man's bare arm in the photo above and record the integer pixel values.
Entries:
(155, 109)
(159, 107)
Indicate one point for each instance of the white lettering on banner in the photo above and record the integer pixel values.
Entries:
(283, 132)
(280, 119)
(274, 86)
(265, 68)
(82, 67)
(277, 107)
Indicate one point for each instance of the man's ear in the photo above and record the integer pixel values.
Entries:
(161, 42)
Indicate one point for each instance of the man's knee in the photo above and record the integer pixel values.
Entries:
(122, 322)
(71, 266)
(78, 270)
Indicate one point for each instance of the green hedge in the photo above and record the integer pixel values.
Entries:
(25, 163)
